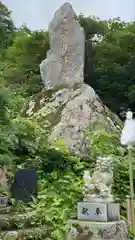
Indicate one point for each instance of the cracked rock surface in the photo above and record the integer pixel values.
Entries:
(68, 113)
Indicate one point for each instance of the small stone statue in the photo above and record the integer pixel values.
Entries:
(98, 188)
(128, 132)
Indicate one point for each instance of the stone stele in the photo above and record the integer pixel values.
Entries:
(100, 212)
(67, 107)
(65, 59)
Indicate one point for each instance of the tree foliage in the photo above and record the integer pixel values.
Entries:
(109, 60)
(21, 62)
(6, 28)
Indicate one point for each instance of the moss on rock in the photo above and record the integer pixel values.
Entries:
(67, 112)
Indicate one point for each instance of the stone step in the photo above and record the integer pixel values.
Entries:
(5, 210)
(11, 209)
(36, 233)
(16, 221)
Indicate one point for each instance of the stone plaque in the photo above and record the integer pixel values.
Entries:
(24, 185)
(92, 211)
(103, 212)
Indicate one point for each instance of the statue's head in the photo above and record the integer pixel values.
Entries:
(104, 164)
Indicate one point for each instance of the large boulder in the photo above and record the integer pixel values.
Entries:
(67, 106)
(69, 112)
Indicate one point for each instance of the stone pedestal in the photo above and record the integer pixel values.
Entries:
(103, 212)
(3, 202)
(86, 230)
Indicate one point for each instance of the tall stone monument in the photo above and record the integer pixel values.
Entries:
(98, 216)
(67, 106)
(65, 59)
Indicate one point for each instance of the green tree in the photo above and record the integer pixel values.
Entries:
(110, 60)
(21, 62)
(6, 27)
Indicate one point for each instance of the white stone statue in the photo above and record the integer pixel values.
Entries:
(128, 132)
(98, 188)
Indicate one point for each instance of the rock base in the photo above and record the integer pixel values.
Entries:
(86, 230)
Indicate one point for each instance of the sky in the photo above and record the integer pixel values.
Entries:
(37, 14)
